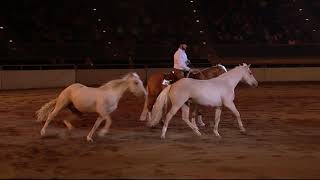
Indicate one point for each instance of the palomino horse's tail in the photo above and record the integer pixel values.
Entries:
(43, 112)
(157, 109)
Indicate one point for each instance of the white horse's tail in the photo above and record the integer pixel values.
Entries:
(158, 107)
(43, 112)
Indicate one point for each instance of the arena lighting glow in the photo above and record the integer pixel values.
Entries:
(300, 9)
(201, 32)
(99, 19)
(194, 11)
(10, 41)
(314, 30)
(109, 42)
(1, 27)
(94, 9)
(307, 19)
(104, 31)
(204, 43)
(197, 20)
(191, 1)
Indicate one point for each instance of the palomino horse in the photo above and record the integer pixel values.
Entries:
(155, 86)
(215, 92)
(102, 100)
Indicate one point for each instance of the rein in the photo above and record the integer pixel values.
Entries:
(200, 71)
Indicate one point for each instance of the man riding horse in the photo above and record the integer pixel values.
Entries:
(159, 80)
(181, 61)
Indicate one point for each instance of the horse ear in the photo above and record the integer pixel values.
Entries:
(249, 65)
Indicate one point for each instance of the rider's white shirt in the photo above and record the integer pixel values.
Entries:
(180, 60)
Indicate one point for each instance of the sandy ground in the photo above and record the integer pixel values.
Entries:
(282, 141)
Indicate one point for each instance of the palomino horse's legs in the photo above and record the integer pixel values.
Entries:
(216, 121)
(145, 110)
(95, 126)
(232, 107)
(68, 124)
(61, 103)
(106, 127)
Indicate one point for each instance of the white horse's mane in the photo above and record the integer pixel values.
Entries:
(116, 82)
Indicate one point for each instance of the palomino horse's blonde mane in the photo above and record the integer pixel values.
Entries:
(116, 82)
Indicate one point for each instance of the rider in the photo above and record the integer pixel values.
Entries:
(181, 61)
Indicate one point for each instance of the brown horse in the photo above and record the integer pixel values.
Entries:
(158, 81)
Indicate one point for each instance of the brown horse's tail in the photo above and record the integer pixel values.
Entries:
(158, 107)
(42, 113)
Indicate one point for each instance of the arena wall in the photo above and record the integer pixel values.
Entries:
(28, 79)
(100, 76)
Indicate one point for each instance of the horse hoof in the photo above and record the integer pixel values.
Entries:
(163, 137)
(243, 132)
(42, 132)
(198, 133)
(102, 133)
(89, 139)
(216, 134)
(202, 124)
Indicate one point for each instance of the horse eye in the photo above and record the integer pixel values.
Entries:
(136, 83)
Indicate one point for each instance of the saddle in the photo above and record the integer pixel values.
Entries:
(169, 78)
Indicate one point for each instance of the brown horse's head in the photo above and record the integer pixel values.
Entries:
(210, 72)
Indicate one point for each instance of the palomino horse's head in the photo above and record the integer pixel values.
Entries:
(135, 84)
(248, 76)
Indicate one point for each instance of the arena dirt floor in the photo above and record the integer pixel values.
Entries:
(282, 140)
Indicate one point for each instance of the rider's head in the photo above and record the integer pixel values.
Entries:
(183, 44)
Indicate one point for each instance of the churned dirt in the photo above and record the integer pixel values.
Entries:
(282, 140)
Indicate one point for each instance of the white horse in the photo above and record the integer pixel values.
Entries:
(206, 73)
(215, 92)
(102, 100)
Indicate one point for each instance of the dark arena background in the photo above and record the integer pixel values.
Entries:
(46, 46)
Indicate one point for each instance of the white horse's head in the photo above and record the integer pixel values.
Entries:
(135, 84)
(248, 76)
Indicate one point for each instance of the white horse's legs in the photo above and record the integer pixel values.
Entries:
(95, 126)
(185, 111)
(234, 110)
(196, 114)
(59, 106)
(200, 122)
(216, 121)
(149, 116)
(106, 127)
(193, 126)
(169, 116)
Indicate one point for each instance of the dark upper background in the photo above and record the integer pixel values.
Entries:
(147, 31)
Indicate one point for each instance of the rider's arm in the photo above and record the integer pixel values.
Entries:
(183, 61)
